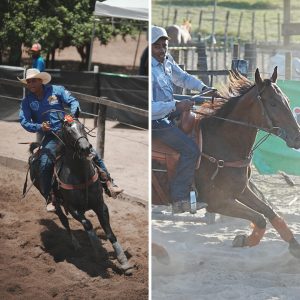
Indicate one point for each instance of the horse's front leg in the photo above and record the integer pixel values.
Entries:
(64, 221)
(252, 201)
(103, 216)
(234, 208)
(88, 227)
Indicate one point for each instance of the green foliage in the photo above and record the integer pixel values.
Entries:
(54, 24)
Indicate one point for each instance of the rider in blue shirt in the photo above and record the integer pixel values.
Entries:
(165, 73)
(36, 116)
(37, 61)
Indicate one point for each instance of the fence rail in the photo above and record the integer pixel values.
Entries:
(103, 104)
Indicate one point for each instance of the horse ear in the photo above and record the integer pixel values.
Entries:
(258, 79)
(274, 75)
(76, 115)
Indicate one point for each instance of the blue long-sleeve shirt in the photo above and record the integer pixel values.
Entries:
(163, 77)
(39, 63)
(34, 112)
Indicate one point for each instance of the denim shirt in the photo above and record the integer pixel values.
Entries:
(163, 77)
(34, 112)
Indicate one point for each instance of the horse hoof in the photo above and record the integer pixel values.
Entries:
(239, 241)
(294, 248)
(127, 269)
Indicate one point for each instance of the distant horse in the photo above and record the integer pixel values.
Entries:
(180, 35)
(79, 188)
(229, 126)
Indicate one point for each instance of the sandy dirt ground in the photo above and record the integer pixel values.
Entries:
(205, 266)
(37, 260)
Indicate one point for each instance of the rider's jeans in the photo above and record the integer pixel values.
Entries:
(169, 134)
(48, 154)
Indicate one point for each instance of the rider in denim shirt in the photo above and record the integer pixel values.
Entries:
(39, 113)
(165, 73)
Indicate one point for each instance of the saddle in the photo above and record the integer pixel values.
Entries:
(165, 159)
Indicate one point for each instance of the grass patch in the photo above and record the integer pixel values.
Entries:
(226, 3)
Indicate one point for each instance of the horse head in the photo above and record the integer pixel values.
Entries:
(75, 136)
(187, 25)
(276, 110)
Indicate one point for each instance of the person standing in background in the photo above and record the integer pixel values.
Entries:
(37, 62)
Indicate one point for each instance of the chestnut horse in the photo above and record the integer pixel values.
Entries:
(229, 129)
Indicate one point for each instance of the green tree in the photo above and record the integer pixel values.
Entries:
(55, 24)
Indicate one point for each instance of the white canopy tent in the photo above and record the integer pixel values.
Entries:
(125, 9)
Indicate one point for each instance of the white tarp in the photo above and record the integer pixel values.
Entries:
(128, 9)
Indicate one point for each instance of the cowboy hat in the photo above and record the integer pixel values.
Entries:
(35, 73)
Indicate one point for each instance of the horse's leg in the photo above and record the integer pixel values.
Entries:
(252, 201)
(234, 208)
(88, 227)
(64, 221)
(103, 217)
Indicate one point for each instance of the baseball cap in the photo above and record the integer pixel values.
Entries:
(36, 47)
(158, 32)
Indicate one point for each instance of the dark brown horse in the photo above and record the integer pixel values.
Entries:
(229, 129)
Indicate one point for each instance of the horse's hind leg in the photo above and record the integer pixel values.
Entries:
(88, 227)
(103, 217)
(65, 222)
(252, 201)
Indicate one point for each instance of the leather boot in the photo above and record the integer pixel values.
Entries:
(110, 188)
(113, 189)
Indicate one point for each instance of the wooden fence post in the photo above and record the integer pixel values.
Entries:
(239, 26)
(236, 51)
(202, 60)
(265, 27)
(251, 55)
(101, 130)
(199, 25)
(175, 16)
(278, 28)
(225, 38)
(252, 27)
(288, 66)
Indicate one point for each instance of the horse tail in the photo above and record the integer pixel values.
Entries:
(33, 146)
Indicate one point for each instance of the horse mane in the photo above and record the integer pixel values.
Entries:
(237, 86)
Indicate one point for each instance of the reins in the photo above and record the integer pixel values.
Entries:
(246, 162)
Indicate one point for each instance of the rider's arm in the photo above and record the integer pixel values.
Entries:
(183, 79)
(26, 120)
(69, 100)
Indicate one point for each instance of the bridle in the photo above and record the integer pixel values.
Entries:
(245, 163)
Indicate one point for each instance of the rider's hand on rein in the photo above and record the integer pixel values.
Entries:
(46, 126)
